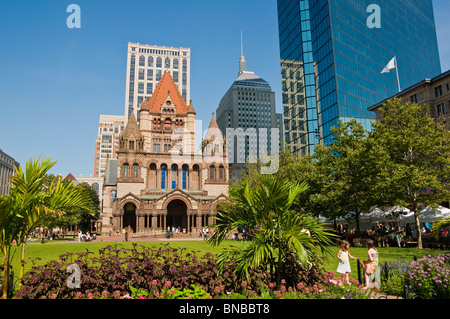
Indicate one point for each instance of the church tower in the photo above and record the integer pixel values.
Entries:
(150, 186)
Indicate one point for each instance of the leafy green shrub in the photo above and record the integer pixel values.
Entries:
(393, 277)
(394, 285)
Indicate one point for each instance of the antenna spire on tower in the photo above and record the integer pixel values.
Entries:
(242, 59)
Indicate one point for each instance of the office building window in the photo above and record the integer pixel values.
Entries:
(149, 88)
(438, 91)
(141, 60)
(440, 109)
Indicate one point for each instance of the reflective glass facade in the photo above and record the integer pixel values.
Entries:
(331, 61)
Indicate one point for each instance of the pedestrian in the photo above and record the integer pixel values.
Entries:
(344, 262)
(372, 270)
(80, 235)
(408, 230)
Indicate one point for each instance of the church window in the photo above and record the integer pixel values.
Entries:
(221, 172)
(211, 172)
(136, 170)
(125, 170)
(174, 176)
(113, 195)
(163, 176)
(184, 176)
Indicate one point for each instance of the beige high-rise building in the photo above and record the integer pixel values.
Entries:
(145, 67)
(109, 129)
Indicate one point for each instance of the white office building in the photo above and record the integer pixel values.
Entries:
(145, 66)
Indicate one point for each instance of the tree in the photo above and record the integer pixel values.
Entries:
(76, 215)
(30, 202)
(417, 168)
(348, 168)
(277, 232)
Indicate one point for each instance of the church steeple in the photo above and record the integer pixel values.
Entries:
(241, 59)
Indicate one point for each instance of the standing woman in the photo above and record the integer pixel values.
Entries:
(372, 270)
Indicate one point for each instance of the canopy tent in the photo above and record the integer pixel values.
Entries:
(426, 215)
(390, 214)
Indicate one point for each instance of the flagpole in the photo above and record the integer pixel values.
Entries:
(398, 79)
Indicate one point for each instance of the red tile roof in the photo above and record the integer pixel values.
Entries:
(165, 88)
(70, 176)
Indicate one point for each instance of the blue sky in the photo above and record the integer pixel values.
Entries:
(56, 81)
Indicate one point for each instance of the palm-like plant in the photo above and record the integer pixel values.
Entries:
(32, 199)
(276, 231)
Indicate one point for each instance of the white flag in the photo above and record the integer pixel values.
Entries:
(390, 65)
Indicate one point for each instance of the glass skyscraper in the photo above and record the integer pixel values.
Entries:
(332, 54)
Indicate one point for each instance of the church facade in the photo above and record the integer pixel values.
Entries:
(160, 179)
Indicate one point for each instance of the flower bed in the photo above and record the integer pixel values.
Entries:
(169, 273)
(427, 277)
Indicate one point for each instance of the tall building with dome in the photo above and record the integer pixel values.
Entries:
(159, 180)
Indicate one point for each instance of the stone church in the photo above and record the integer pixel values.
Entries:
(160, 178)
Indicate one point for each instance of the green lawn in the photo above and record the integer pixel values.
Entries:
(52, 251)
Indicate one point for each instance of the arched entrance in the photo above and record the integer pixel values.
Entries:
(177, 214)
(129, 217)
